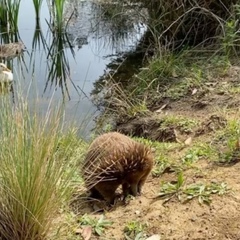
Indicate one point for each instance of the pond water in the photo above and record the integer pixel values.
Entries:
(62, 68)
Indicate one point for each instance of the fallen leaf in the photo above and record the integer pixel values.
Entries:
(174, 74)
(178, 140)
(78, 231)
(153, 150)
(188, 141)
(194, 91)
(210, 84)
(161, 108)
(211, 89)
(87, 232)
(143, 68)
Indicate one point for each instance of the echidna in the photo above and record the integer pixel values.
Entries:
(114, 159)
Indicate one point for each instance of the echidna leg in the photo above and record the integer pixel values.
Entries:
(107, 190)
(134, 189)
(142, 181)
(140, 185)
(133, 180)
(125, 189)
(94, 193)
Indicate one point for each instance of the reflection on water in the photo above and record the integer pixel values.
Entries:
(58, 65)
(63, 67)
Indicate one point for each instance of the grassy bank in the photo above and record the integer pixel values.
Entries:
(187, 42)
(184, 103)
(186, 107)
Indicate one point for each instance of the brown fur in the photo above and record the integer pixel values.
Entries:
(114, 159)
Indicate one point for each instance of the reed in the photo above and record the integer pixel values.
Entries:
(57, 13)
(37, 6)
(11, 14)
(3, 14)
(58, 64)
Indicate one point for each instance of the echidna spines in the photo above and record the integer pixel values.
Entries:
(114, 159)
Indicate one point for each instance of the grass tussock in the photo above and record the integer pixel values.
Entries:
(33, 177)
(167, 75)
(194, 42)
(191, 22)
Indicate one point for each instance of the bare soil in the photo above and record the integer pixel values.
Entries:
(173, 219)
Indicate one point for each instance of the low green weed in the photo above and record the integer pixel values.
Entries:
(185, 125)
(136, 109)
(199, 151)
(227, 141)
(98, 225)
(228, 135)
(169, 190)
(134, 230)
(185, 193)
(203, 192)
(161, 165)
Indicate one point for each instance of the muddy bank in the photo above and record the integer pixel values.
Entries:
(166, 119)
(157, 127)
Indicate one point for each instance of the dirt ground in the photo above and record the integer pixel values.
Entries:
(172, 219)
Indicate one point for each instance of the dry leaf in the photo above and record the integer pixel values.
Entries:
(78, 231)
(153, 150)
(238, 144)
(174, 74)
(210, 84)
(194, 91)
(87, 232)
(188, 141)
(161, 108)
(176, 136)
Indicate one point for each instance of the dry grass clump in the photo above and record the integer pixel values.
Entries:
(34, 173)
(189, 22)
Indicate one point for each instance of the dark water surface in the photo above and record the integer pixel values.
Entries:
(56, 68)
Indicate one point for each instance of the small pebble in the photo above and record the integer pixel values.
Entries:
(137, 212)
